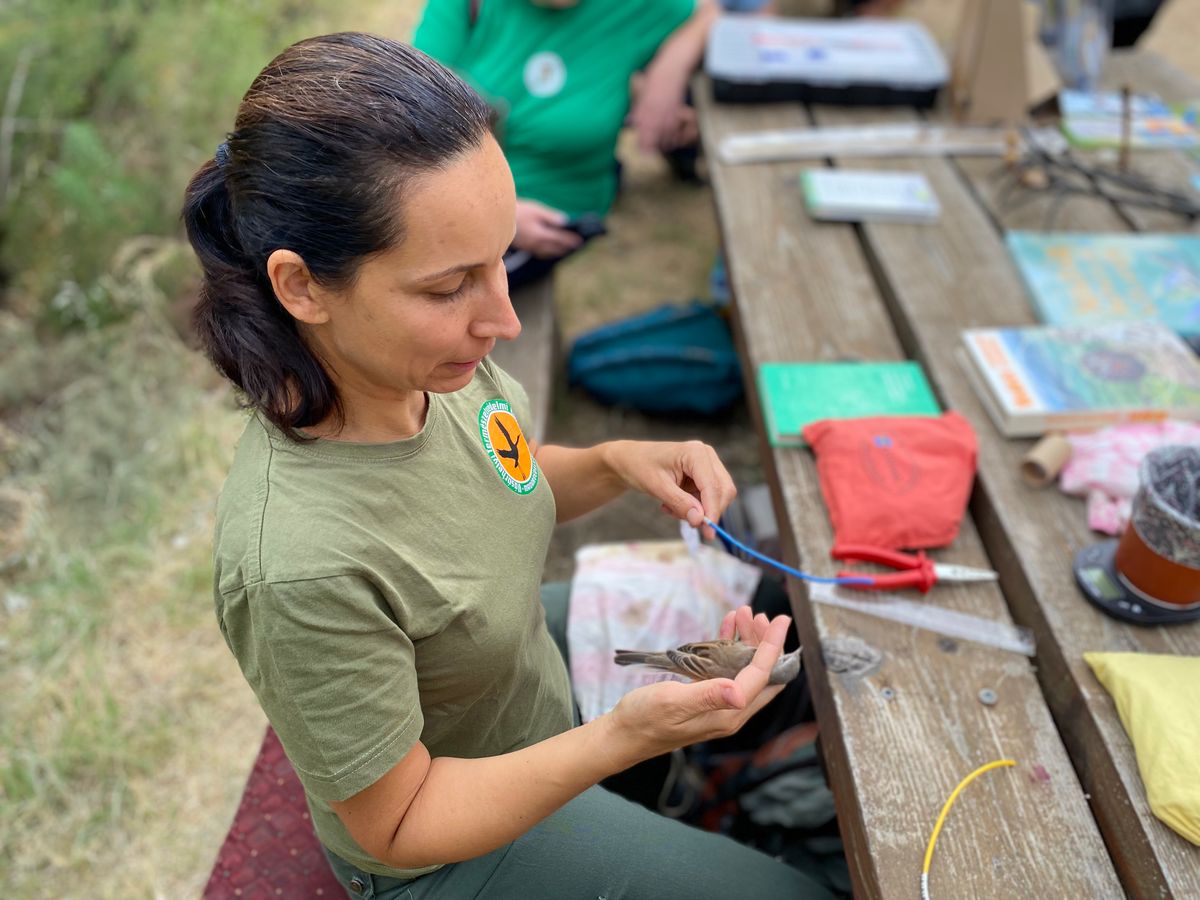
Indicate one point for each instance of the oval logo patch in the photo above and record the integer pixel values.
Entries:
(506, 447)
(545, 74)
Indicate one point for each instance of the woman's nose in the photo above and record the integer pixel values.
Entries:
(498, 319)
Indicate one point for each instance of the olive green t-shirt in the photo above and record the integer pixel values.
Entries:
(559, 79)
(375, 595)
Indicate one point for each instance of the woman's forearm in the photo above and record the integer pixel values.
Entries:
(681, 52)
(582, 479)
(686, 477)
(427, 811)
(468, 807)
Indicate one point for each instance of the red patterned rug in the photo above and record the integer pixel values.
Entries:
(271, 850)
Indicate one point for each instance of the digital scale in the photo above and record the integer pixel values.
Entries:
(1106, 588)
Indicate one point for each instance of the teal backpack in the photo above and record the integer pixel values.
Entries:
(676, 359)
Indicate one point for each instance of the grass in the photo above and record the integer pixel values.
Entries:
(112, 675)
(126, 730)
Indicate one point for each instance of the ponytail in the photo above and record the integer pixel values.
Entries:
(245, 331)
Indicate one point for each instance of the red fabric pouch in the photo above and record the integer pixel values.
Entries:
(895, 481)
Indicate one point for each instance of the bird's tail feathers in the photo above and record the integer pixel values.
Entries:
(640, 658)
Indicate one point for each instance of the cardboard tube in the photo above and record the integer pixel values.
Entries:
(1045, 459)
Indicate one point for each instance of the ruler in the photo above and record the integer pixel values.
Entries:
(883, 139)
(950, 622)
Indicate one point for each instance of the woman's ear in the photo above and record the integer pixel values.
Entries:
(296, 289)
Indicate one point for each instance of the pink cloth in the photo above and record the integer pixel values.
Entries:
(645, 595)
(1104, 467)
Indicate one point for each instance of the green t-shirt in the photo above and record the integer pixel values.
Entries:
(377, 594)
(560, 80)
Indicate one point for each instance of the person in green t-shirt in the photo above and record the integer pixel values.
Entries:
(381, 532)
(558, 73)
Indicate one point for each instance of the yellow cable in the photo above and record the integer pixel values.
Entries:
(941, 819)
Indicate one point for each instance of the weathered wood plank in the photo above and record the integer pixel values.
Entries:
(938, 280)
(898, 741)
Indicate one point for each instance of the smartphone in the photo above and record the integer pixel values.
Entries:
(586, 225)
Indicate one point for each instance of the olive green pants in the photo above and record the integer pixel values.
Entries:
(598, 847)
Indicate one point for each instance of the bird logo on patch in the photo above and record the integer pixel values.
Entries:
(544, 74)
(506, 447)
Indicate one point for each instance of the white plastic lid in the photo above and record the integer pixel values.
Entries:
(830, 53)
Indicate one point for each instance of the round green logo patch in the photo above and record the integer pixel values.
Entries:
(506, 446)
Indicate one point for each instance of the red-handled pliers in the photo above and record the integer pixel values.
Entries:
(919, 571)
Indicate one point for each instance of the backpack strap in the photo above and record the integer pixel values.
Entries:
(473, 11)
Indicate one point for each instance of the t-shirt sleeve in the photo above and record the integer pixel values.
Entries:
(336, 677)
(443, 30)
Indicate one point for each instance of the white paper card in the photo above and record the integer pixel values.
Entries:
(858, 195)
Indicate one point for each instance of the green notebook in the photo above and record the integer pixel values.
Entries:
(794, 394)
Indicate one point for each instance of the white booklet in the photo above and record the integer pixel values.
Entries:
(856, 195)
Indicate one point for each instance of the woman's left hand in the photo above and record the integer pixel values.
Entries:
(687, 478)
(658, 113)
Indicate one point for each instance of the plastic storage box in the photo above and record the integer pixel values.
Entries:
(857, 62)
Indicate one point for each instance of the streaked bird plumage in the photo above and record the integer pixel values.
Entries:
(709, 659)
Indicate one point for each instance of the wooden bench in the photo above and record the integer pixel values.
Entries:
(270, 850)
(532, 358)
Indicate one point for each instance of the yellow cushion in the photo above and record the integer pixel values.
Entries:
(1158, 700)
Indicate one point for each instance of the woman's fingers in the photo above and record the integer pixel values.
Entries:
(687, 479)
(744, 622)
(555, 241)
(752, 679)
(710, 481)
(761, 624)
(540, 230)
(750, 690)
(728, 626)
(751, 627)
(677, 713)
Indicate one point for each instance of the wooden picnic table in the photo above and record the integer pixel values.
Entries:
(1071, 820)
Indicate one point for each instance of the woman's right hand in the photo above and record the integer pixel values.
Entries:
(660, 717)
(540, 231)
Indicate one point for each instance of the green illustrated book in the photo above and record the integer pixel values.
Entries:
(1043, 378)
(793, 394)
(1083, 279)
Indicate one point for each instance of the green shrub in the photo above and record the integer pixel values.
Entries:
(122, 101)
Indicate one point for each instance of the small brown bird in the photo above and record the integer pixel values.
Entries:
(710, 659)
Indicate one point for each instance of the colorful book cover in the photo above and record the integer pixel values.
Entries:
(1096, 119)
(1082, 278)
(1041, 378)
(794, 394)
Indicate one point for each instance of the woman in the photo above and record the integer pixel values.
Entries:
(381, 531)
(558, 72)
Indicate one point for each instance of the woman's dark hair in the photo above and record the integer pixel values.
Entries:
(324, 142)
